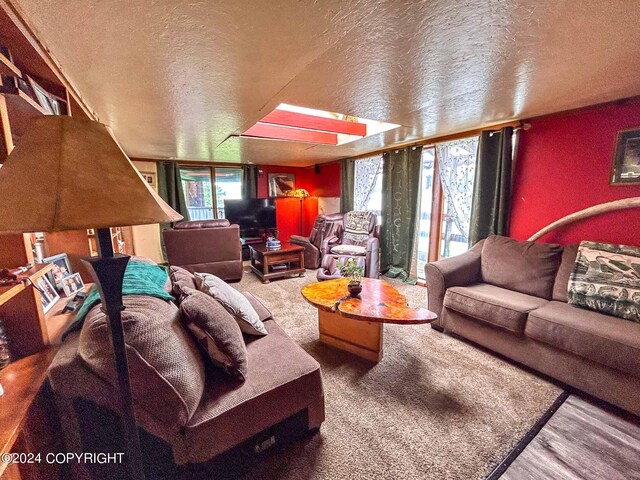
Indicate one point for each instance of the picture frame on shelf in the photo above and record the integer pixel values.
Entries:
(48, 295)
(71, 284)
(150, 178)
(41, 96)
(281, 184)
(61, 269)
(625, 168)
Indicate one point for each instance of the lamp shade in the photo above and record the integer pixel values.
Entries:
(300, 193)
(69, 173)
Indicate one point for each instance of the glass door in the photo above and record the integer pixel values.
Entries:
(197, 183)
(228, 186)
(426, 207)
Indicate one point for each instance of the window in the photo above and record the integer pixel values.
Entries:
(367, 191)
(457, 167)
(198, 182)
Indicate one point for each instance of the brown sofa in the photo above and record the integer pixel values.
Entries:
(206, 246)
(192, 409)
(511, 297)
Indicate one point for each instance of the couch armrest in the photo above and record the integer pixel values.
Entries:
(460, 270)
(329, 242)
(300, 240)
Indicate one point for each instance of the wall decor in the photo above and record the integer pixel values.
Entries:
(71, 284)
(281, 184)
(48, 295)
(61, 269)
(625, 169)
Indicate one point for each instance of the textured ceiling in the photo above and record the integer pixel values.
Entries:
(180, 78)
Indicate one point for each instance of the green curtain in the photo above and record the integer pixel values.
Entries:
(492, 185)
(347, 168)
(170, 190)
(250, 181)
(400, 189)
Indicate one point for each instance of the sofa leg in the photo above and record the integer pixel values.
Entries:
(315, 415)
(437, 328)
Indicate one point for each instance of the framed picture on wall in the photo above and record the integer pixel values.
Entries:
(281, 184)
(626, 159)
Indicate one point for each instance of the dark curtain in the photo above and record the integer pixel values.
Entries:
(170, 190)
(347, 167)
(492, 186)
(400, 185)
(250, 181)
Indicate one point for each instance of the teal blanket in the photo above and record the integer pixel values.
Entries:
(139, 279)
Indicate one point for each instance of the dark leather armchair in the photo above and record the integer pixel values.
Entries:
(207, 246)
(364, 247)
(325, 233)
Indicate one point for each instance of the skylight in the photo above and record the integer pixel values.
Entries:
(301, 124)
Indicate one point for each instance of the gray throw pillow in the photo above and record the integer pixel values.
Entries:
(235, 303)
(215, 331)
(181, 279)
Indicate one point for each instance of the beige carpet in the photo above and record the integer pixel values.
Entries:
(435, 407)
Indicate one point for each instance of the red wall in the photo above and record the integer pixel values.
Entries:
(563, 165)
(326, 183)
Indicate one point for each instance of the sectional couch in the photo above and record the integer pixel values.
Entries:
(190, 413)
(511, 297)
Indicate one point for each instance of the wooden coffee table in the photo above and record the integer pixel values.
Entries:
(356, 324)
(270, 264)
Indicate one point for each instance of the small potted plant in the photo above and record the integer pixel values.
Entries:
(353, 272)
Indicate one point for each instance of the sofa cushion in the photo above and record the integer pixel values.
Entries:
(216, 332)
(181, 279)
(498, 306)
(597, 337)
(166, 369)
(235, 303)
(561, 284)
(525, 267)
(282, 380)
(349, 250)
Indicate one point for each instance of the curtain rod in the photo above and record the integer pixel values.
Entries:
(517, 124)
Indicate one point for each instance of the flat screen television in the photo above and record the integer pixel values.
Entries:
(253, 215)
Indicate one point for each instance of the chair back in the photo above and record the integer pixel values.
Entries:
(359, 227)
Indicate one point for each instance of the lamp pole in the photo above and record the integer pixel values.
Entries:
(108, 273)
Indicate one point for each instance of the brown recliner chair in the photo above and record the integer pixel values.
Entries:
(358, 238)
(326, 229)
(206, 246)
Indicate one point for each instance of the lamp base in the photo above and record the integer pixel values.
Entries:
(108, 273)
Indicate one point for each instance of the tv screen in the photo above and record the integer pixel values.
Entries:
(253, 215)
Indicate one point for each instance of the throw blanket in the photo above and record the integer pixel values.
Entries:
(356, 227)
(606, 278)
(139, 279)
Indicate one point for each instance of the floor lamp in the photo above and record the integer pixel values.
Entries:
(68, 173)
(300, 193)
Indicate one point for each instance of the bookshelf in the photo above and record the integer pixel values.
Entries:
(22, 56)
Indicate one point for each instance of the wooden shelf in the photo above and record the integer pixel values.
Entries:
(22, 102)
(21, 381)
(33, 274)
(58, 322)
(8, 68)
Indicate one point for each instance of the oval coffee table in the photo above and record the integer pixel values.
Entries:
(356, 324)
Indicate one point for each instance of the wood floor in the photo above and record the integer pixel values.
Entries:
(580, 441)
